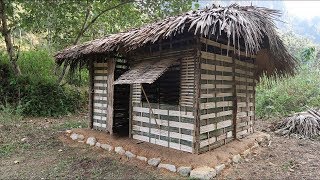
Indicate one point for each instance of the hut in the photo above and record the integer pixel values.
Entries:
(186, 82)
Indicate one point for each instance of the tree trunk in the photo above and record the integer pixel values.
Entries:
(6, 33)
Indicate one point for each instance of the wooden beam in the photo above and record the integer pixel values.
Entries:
(235, 101)
(130, 111)
(110, 94)
(197, 69)
(91, 94)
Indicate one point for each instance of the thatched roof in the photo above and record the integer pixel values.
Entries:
(254, 25)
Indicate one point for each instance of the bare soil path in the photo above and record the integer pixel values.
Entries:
(285, 158)
(43, 155)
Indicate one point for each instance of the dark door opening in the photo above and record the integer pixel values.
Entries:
(121, 101)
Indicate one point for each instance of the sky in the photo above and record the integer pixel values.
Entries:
(301, 17)
(301, 9)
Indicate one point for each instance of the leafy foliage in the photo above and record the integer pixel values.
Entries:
(283, 96)
(61, 21)
(37, 93)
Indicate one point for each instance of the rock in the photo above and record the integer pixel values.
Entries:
(229, 161)
(184, 170)
(80, 137)
(259, 139)
(91, 141)
(24, 139)
(106, 147)
(119, 150)
(271, 164)
(291, 170)
(255, 146)
(16, 162)
(81, 141)
(98, 144)
(236, 158)
(129, 154)
(168, 167)
(68, 131)
(60, 150)
(74, 136)
(268, 137)
(246, 153)
(142, 158)
(219, 168)
(154, 161)
(203, 173)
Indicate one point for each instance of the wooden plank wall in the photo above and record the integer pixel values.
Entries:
(217, 95)
(187, 90)
(177, 122)
(100, 96)
(245, 85)
(176, 125)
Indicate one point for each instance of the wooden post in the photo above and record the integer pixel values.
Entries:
(91, 94)
(130, 111)
(197, 69)
(235, 100)
(110, 93)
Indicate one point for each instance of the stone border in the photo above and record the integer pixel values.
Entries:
(203, 172)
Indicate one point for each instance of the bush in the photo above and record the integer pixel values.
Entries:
(37, 92)
(49, 99)
(283, 96)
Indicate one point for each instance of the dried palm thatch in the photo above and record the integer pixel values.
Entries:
(252, 25)
(305, 125)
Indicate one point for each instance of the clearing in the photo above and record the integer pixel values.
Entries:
(44, 155)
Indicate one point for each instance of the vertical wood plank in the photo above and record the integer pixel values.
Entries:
(235, 100)
(130, 111)
(91, 94)
(197, 113)
(111, 68)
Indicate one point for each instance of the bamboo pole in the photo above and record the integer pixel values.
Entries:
(152, 114)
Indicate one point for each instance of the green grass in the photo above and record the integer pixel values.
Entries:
(284, 96)
(7, 149)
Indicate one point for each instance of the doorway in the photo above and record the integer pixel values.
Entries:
(121, 101)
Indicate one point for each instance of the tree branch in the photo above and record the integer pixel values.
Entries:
(83, 25)
(101, 13)
(86, 26)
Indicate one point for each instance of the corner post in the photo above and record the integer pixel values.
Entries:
(197, 112)
(235, 100)
(110, 96)
(91, 94)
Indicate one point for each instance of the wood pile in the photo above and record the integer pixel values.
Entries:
(304, 125)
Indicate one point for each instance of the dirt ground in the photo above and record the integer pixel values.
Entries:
(172, 156)
(285, 158)
(44, 155)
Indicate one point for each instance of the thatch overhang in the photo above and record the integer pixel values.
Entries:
(250, 26)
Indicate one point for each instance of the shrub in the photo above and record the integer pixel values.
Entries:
(283, 96)
(37, 92)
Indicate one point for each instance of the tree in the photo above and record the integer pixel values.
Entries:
(64, 22)
(6, 33)
(91, 19)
